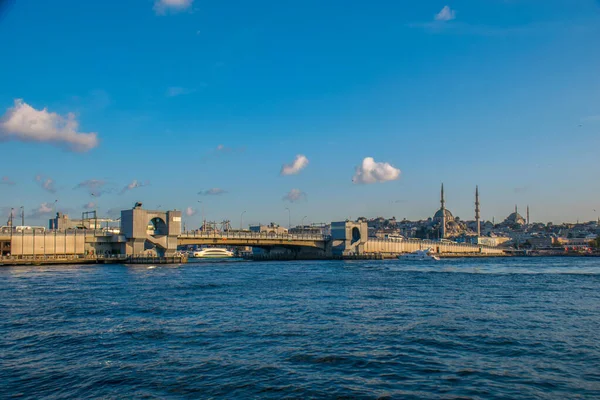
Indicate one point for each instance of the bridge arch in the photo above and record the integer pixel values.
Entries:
(355, 235)
(159, 227)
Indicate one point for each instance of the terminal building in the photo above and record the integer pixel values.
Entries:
(140, 233)
(62, 222)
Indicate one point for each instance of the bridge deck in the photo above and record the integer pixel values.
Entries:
(252, 239)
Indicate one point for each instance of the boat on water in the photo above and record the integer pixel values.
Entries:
(419, 255)
(211, 252)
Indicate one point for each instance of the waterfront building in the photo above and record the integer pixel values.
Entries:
(62, 221)
(269, 229)
(312, 229)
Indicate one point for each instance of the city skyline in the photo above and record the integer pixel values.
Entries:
(194, 215)
(322, 110)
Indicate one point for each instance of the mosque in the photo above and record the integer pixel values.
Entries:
(450, 226)
(446, 223)
(516, 219)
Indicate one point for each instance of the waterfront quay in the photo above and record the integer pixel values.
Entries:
(89, 259)
(134, 242)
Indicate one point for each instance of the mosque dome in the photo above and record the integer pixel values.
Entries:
(454, 226)
(515, 218)
(438, 216)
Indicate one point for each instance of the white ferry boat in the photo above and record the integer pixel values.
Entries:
(419, 255)
(211, 252)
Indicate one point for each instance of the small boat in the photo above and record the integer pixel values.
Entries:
(419, 255)
(211, 252)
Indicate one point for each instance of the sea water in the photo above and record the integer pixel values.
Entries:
(516, 328)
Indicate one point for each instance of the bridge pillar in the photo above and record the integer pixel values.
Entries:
(348, 237)
(146, 230)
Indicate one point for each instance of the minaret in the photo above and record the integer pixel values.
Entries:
(516, 210)
(443, 203)
(527, 214)
(477, 211)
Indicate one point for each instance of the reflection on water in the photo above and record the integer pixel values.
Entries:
(468, 328)
(211, 261)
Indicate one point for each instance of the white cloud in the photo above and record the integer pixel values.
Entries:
(26, 124)
(190, 212)
(299, 163)
(178, 91)
(446, 14)
(222, 151)
(94, 186)
(294, 196)
(371, 172)
(134, 184)
(89, 206)
(161, 7)
(6, 181)
(46, 183)
(212, 192)
(42, 210)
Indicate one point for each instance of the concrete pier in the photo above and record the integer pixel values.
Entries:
(80, 260)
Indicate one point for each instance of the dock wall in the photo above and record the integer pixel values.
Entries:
(394, 247)
(63, 243)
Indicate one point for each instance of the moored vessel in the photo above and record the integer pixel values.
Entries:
(419, 255)
(211, 252)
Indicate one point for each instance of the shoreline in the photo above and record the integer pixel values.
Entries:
(179, 260)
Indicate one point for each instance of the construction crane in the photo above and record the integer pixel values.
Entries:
(225, 225)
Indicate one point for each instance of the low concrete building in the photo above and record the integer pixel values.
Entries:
(271, 228)
(62, 222)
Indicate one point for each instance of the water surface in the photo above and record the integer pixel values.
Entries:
(467, 328)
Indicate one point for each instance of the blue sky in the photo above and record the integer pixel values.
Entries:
(207, 101)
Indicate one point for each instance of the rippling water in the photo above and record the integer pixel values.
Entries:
(511, 328)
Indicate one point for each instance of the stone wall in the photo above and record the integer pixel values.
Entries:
(48, 244)
(386, 246)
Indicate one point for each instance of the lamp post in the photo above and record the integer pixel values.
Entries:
(242, 220)
(54, 222)
(11, 230)
(303, 223)
(289, 218)
(96, 212)
(202, 214)
(22, 231)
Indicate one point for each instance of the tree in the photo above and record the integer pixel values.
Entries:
(425, 233)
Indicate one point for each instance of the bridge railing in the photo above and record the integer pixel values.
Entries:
(5, 231)
(252, 235)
